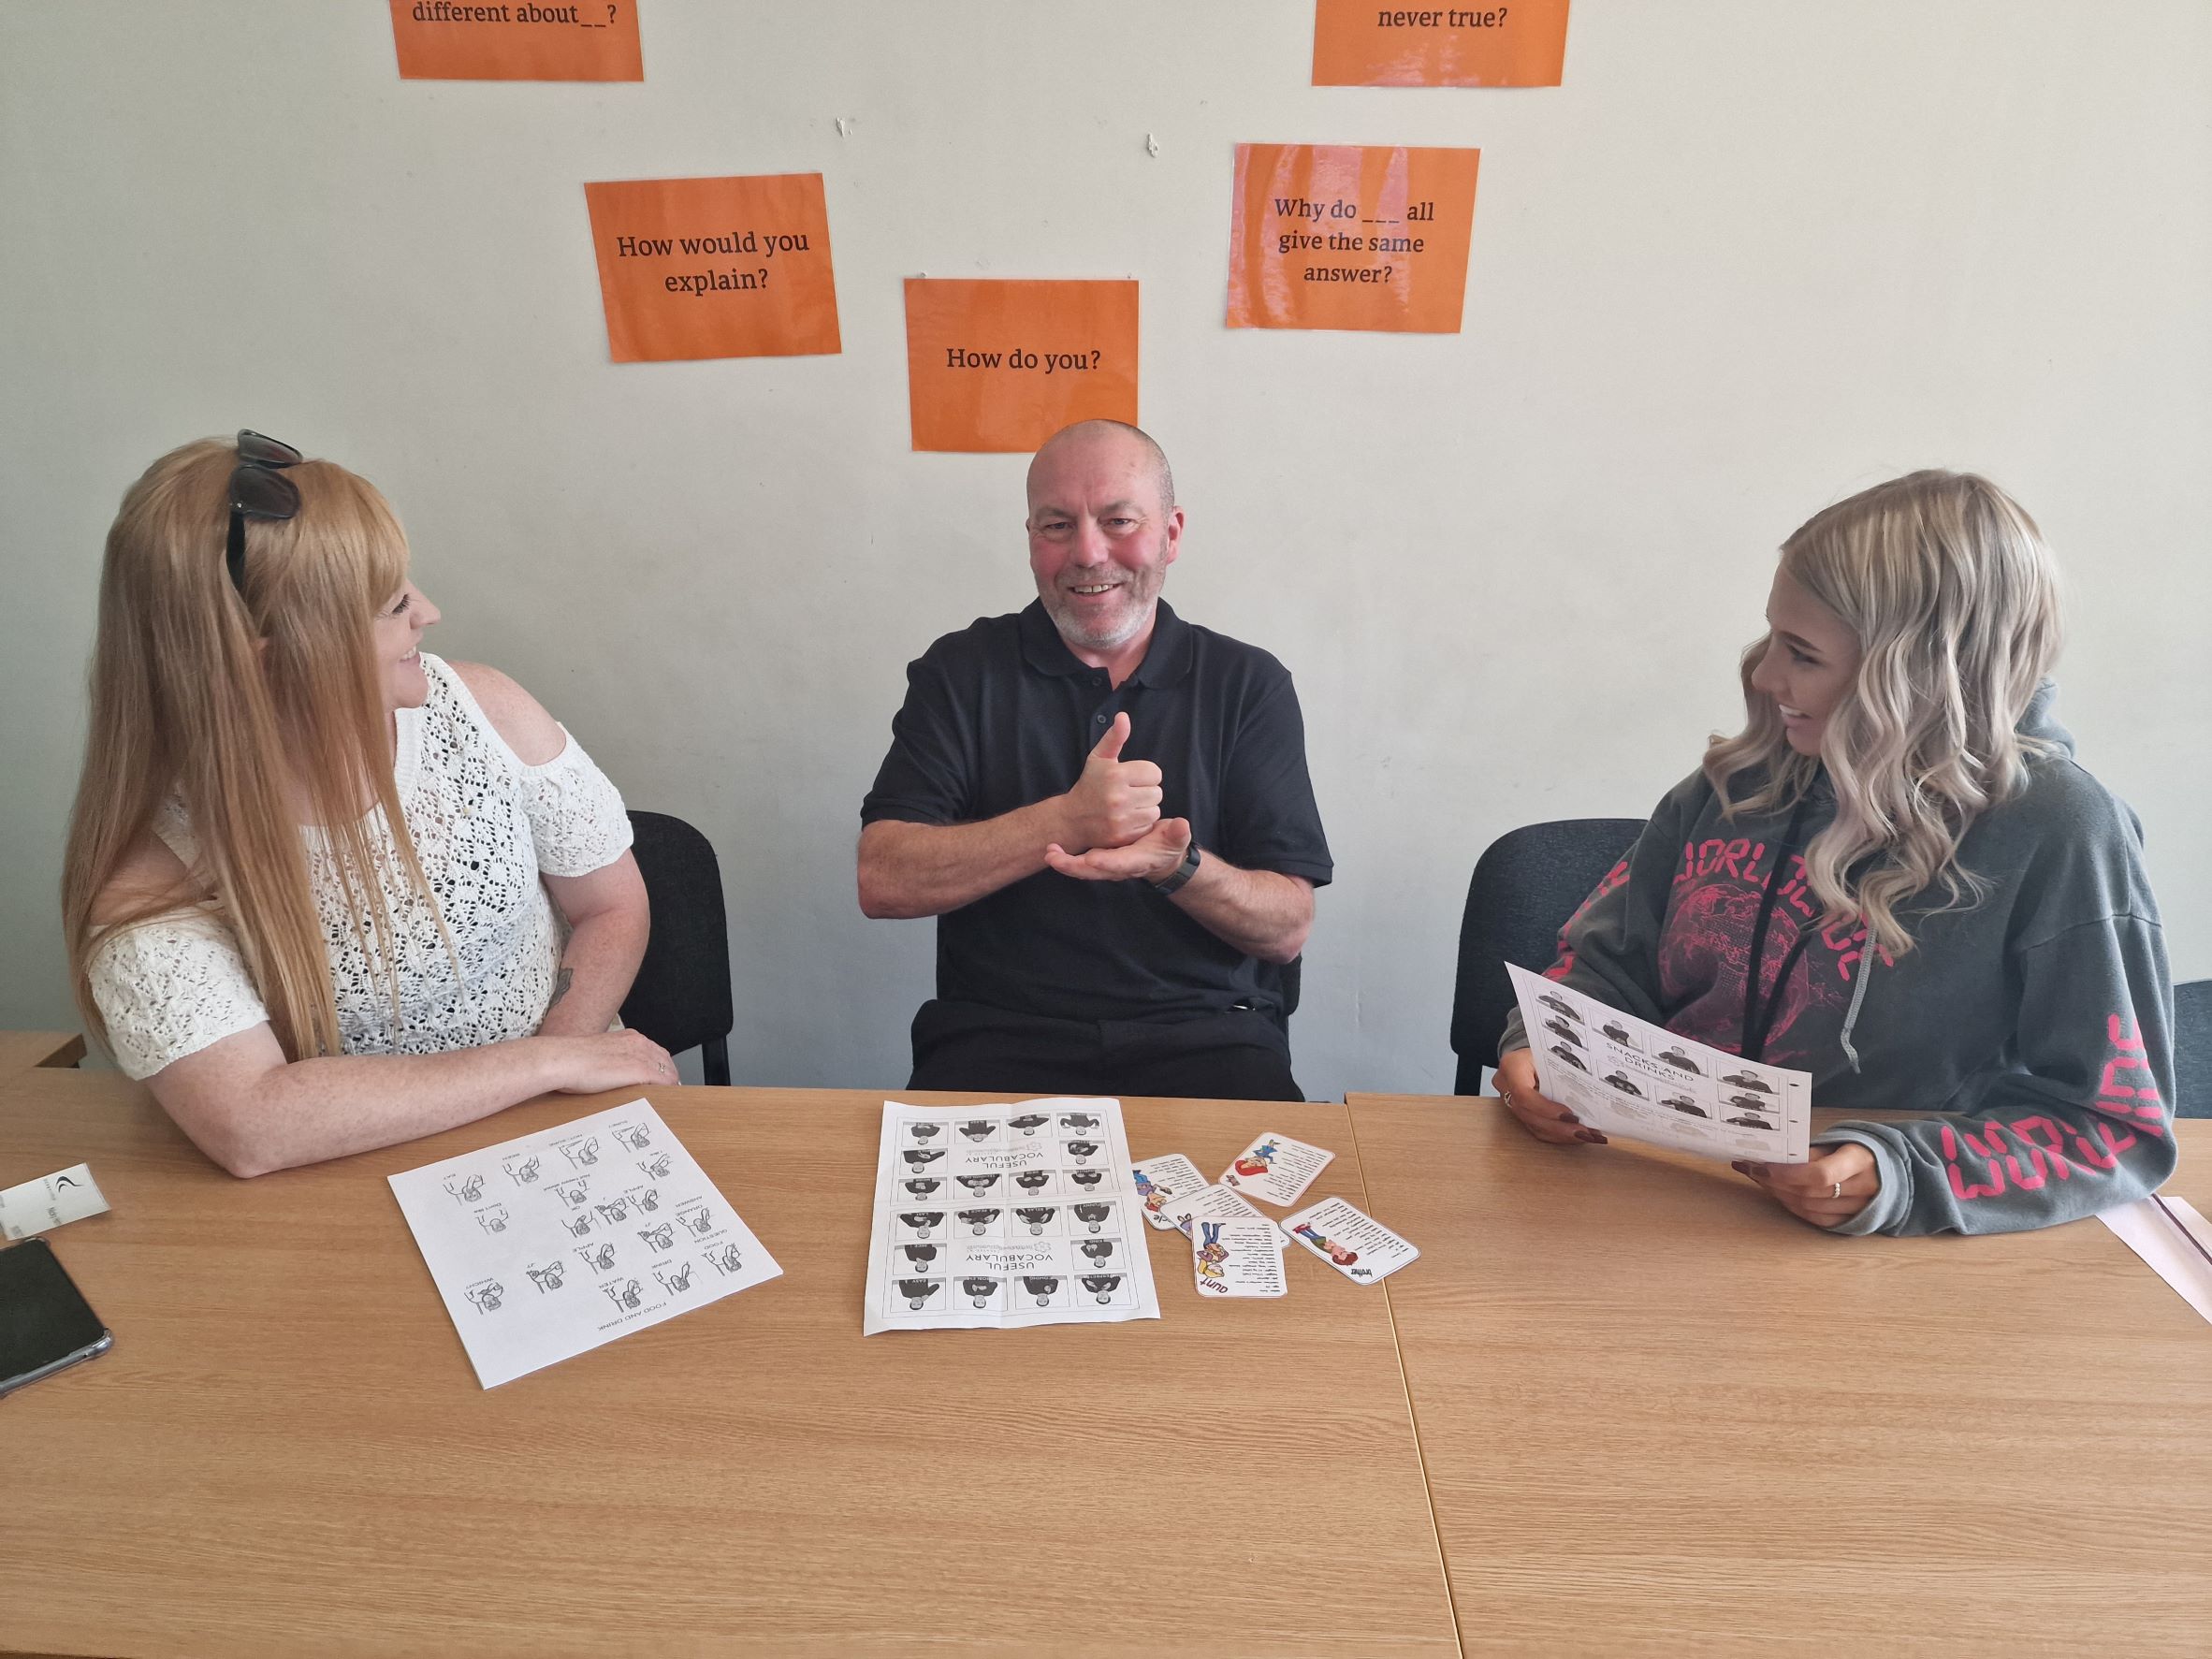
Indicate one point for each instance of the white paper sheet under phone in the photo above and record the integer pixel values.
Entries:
(1624, 1076)
(49, 1201)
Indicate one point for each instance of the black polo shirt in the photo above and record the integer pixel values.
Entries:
(1002, 714)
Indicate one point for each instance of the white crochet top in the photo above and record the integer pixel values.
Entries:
(484, 826)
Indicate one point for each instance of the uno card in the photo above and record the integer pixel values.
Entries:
(1358, 1246)
(1237, 1255)
(1159, 1179)
(1208, 1203)
(1275, 1169)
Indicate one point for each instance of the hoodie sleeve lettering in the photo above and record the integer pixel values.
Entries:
(2083, 1123)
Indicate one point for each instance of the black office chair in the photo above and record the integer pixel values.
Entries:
(681, 997)
(1526, 884)
(2192, 1049)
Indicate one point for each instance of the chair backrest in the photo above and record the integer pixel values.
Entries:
(682, 996)
(1526, 884)
(2192, 1049)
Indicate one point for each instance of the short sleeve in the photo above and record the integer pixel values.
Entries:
(170, 987)
(1269, 821)
(577, 822)
(926, 777)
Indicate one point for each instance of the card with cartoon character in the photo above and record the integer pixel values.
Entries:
(1160, 1179)
(1355, 1245)
(1277, 1170)
(1237, 1255)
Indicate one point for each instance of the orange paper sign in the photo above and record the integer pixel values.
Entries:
(1359, 43)
(715, 268)
(1345, 236)
(1003, 366)
(442, 41)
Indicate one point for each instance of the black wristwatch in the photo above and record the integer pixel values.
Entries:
(1172, 881)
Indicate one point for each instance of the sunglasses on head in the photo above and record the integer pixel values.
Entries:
(258, 489)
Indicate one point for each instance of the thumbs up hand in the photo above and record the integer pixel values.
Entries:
(1114, 802)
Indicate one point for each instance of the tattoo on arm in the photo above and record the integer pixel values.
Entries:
(561, 984)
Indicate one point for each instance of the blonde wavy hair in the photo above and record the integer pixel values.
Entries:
(222, 700)
(1954, 599)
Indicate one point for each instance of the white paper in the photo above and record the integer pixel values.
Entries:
(1005, 1217)
(1623, 1076)
(2157, 1236)
(555, 1243)
(49, 1201)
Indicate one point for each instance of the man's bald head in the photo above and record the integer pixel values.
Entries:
(1110, 434)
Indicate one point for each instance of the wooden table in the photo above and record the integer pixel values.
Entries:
(21, 1050)
(286, 1450)
(1659, 1415)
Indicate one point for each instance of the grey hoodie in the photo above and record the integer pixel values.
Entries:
(2027, 1036)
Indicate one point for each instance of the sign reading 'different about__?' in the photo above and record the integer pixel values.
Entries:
(715, 268)
(995, 365)
(520, 41)
(1518, 43)
(1346, 236)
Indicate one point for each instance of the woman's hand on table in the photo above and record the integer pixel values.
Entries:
(1546, 1120)
(1828, 1191)
(610, 1060)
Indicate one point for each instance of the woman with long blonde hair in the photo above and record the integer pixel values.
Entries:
(1897, 878)
(317, 880)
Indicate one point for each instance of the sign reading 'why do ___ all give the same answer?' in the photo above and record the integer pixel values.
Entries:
(518, 41)
(1518, 43)
(715, 268)
(1002, 366)
(1348, 236)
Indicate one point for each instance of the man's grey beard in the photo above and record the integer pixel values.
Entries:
(1072, 630)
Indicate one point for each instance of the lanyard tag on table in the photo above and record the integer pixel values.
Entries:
(38, 1206)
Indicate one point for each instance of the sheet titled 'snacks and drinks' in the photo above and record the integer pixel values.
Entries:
(1625, 1076)
(1005, 1217)
(548, 1245)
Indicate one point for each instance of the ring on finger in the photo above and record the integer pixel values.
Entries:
(1835, 1191)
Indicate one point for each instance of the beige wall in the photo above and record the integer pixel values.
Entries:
(1750, 257)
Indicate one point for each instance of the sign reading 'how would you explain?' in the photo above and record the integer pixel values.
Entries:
(517, 40)
(715, 268)
(1348, 236)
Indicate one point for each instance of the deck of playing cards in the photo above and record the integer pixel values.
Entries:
(1361, 1248)
(1238, 1256)
(1277, 1170)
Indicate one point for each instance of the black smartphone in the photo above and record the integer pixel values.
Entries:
(46, 1325)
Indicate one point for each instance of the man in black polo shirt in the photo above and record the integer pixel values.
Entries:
(1106, 810)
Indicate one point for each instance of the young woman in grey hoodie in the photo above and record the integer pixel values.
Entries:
(1898, 879)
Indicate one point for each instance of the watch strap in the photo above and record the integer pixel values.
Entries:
(1174, 879)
